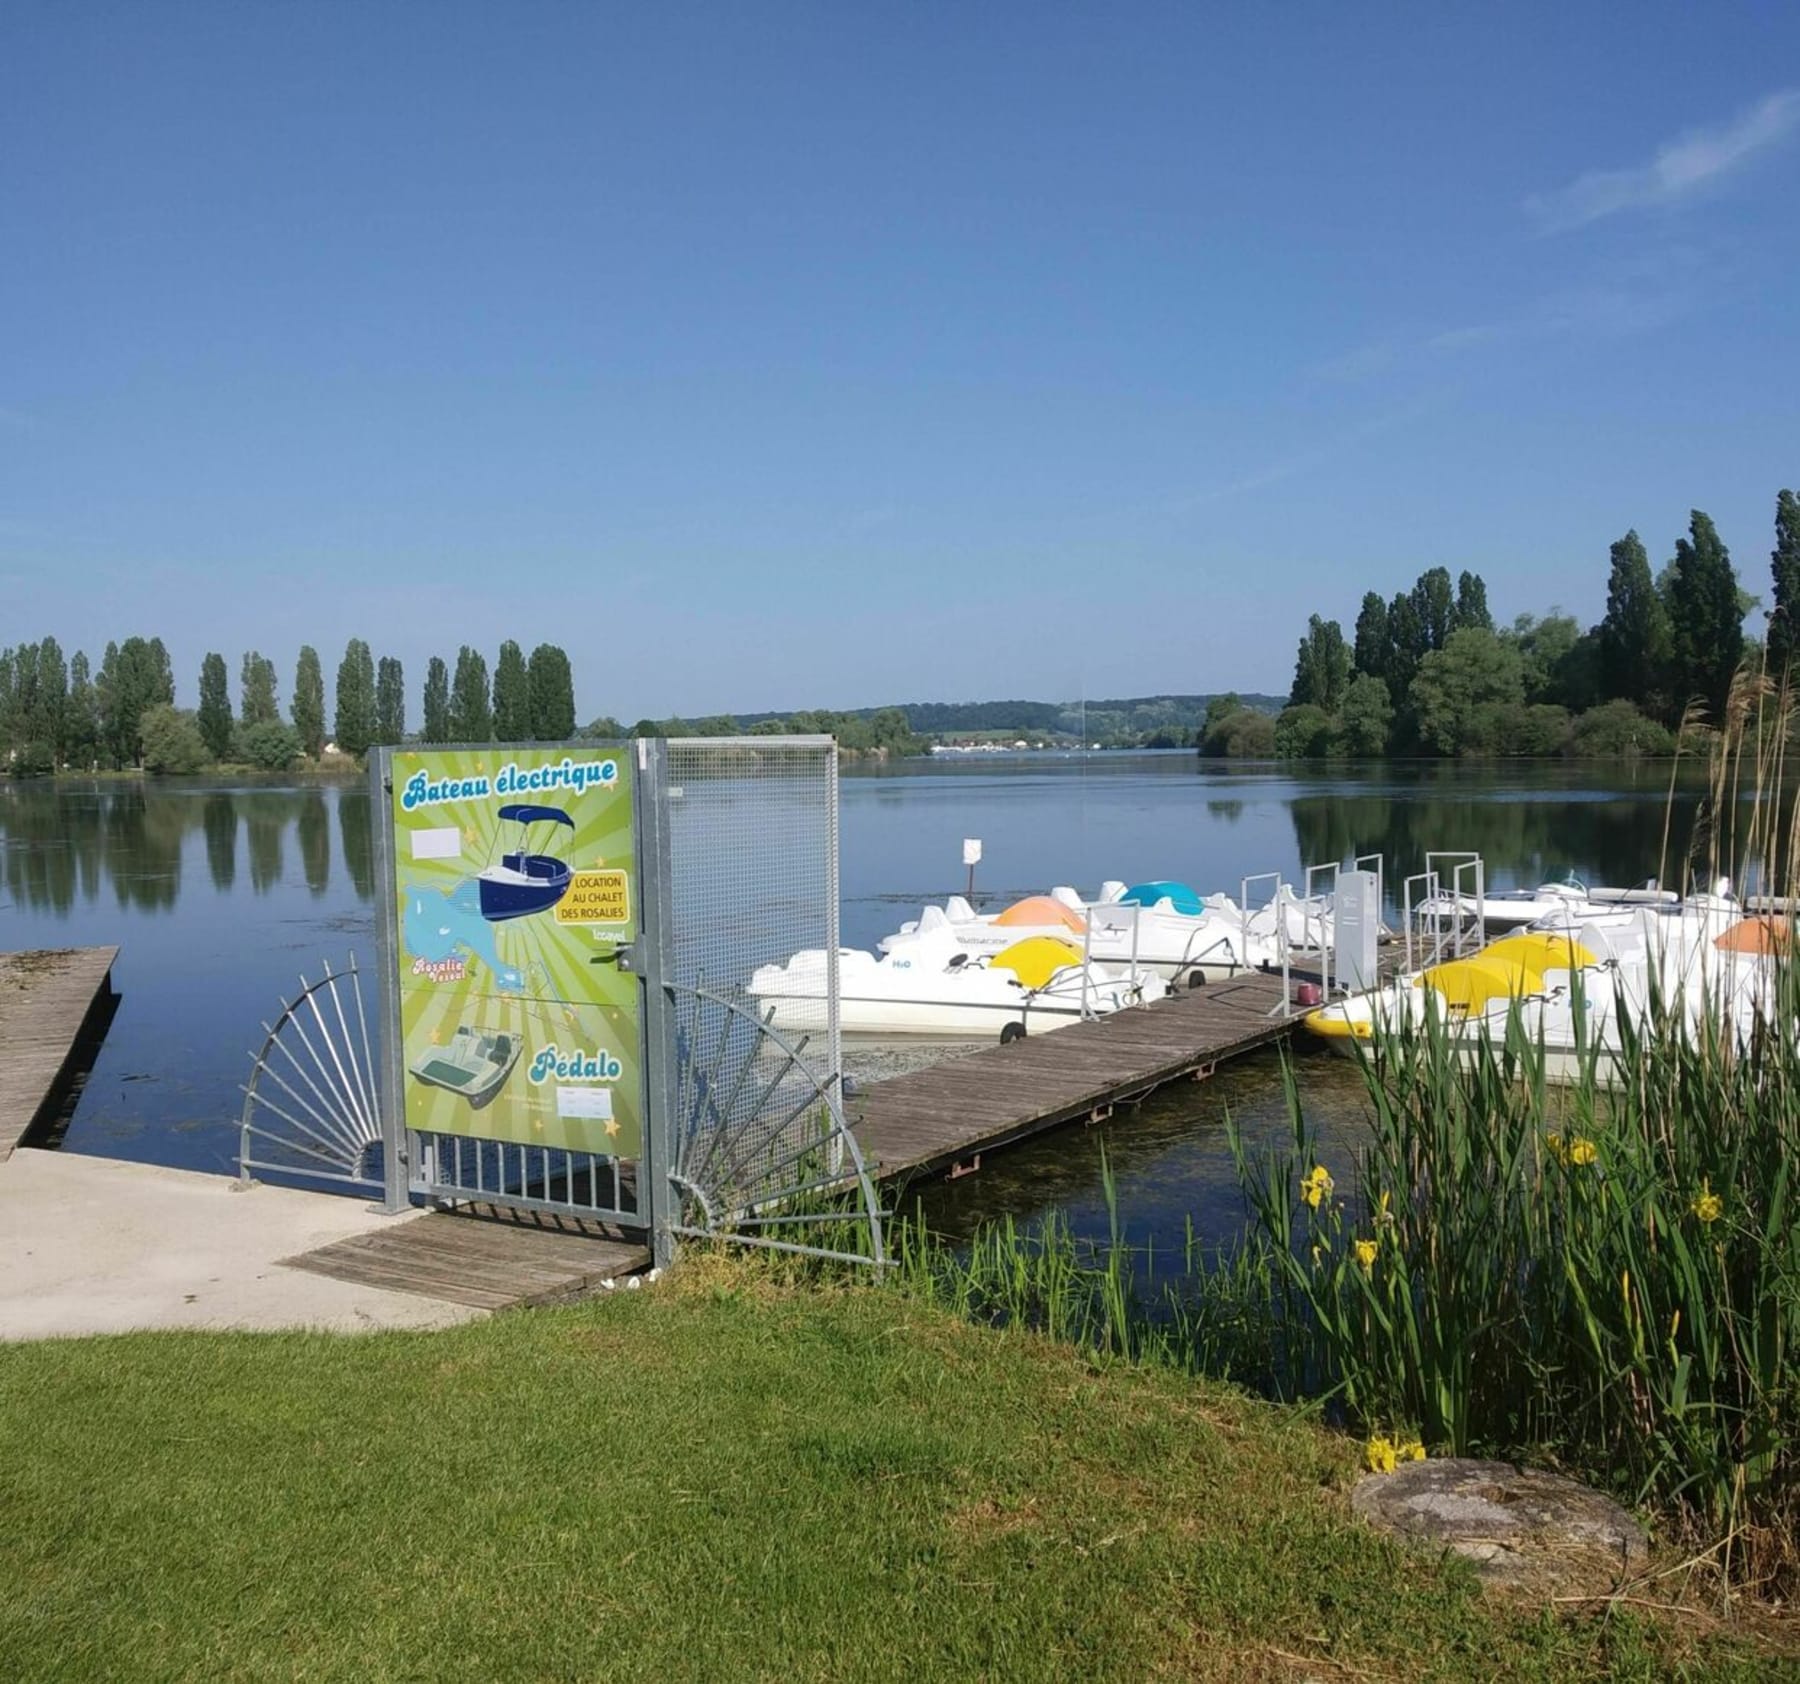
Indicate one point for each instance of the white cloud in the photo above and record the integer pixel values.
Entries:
(1678, 168)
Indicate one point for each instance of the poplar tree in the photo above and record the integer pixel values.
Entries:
(1322, 667)
(214, 713)
(390, 702)
(512, 695)
(1784, 564)
(1435, 606)
(49, 721)
(355, 723)
(134, 677)
(256, 696)
(1406, 645)
(309, 702)
(1634, 635)
(1706, 621)
(471, 717)
(552, 695)
(1372, 636)
(1472, 603)
(83, 728)
(436, 727)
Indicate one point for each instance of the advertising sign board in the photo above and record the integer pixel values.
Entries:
(516, 889)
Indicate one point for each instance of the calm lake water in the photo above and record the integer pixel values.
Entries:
(220, 897)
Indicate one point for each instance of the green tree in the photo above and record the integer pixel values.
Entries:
(269, 746)
(1706, 627)
(1244, 735)
(1784, 565)
(1372, 652)
(51, 702)
(214, 715)
(9, 717)
(1472, 602)
(82, 735)
(171, 740)
(1546, 648)
(471, 718)
(1462, 693)
(1322, 667)
(512, 695)
(1618, 731)
(1434, 604)
(134, 676)
(1633, 637)
(436, 726)
(1304, 731)
(309, 702)
(1407, 644)
(390, 702)
(606, 729)
(552, 695)
(256, 690)
(1365, 718)
(354, 722)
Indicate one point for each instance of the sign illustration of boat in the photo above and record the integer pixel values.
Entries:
(524, 882)
(475, 1064)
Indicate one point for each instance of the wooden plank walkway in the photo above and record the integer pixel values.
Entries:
(48, 998)
(953, 1112)
(484, 1255)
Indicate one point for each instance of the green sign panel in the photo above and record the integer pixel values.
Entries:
(516, 886)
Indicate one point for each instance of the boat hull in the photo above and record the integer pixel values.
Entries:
(521, 890)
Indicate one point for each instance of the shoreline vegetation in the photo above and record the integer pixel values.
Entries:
(1601, 1278)
(1428, 672)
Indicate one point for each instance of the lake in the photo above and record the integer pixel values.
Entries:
(220, 896)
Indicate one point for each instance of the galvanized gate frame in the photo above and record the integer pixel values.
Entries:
(668, 1202)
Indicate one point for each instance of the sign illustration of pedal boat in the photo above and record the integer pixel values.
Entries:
(474, 1064)
(517, 1022)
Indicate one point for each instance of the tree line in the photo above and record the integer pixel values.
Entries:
(883, 731)
(1428, 672)
(57, 713)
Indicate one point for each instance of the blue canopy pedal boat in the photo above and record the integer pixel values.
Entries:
(524, 882)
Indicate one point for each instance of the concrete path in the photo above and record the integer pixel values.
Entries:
(97, 1245)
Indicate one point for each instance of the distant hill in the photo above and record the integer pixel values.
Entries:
(1111, 719)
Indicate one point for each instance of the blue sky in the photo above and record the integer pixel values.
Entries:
(780, 356)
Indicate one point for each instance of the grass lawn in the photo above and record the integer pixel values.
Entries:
(715, 1478)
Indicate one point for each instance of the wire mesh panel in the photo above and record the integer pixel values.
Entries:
(760, 1149)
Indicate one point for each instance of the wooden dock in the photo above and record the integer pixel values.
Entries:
(49, 1001)
(947, 1116)
(491, 1257)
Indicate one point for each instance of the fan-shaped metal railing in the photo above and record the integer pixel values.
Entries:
(762, 1154)
(310, 1107)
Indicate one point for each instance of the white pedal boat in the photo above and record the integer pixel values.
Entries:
(1136, 926)
(936, 986)
(1560, 904)
(1569, 992)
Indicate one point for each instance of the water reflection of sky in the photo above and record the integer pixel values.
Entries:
(219, 898)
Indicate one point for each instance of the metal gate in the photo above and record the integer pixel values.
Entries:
(759, 1150)
(733, 951)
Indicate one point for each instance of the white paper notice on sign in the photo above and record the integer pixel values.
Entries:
(971, 850)
(443, 844)
(584, 1102)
